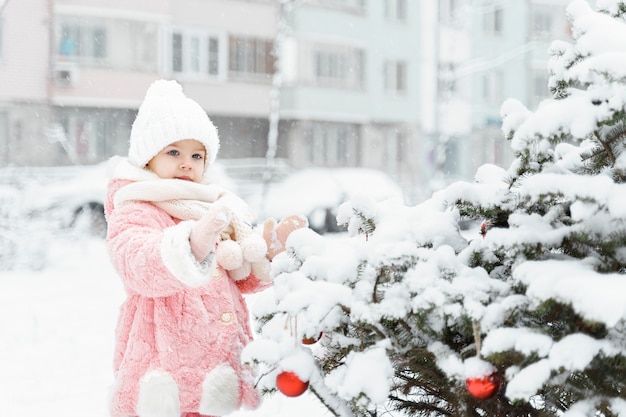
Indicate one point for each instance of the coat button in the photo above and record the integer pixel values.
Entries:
(226, 317)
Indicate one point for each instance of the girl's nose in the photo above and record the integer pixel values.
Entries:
(185, 163)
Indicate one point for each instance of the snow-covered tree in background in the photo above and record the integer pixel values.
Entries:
(411, 313)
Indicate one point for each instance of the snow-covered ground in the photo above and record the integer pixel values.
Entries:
(57, 339)
(59, 305)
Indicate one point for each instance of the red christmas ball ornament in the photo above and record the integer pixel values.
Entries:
(311, 340)
(484, 226)
(290, 384)
(483, 388)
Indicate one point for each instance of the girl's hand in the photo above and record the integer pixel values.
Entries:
(276, 235)
(206, 232)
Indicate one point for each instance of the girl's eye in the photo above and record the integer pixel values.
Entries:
(173, 152)
(198, 156)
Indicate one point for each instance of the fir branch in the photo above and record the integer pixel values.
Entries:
(332, 403)
(367, 225)
(606, 147)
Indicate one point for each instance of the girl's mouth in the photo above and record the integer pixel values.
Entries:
(184, 178)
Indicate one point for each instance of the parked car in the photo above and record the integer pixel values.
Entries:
(73, 197)
(318, 192)
(68, 197)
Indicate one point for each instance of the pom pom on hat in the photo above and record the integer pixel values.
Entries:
(167, 116)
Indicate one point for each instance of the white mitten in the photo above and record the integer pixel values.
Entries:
(276, 235)
(240, 246)
(254, 248)
(262, 270)
(206, 232)
(242, 272)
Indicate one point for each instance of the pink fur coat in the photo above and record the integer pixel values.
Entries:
(183, 324)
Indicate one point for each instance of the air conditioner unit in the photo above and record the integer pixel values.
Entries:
(65, 73)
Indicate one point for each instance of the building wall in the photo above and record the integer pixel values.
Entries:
(387, 84)
(237, 16)
(228, 95)
(380, 39)
(23, 81)
(24, 60)
(503, 46)
(507, 59)
(81, 69)
(369, 112)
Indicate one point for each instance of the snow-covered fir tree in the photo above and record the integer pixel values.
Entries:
(525, 316)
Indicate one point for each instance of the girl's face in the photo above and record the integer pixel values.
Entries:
(183, 160)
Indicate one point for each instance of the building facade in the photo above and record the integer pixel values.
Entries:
(489, 51)
(350, 90)
(412, 88)
(73, 73)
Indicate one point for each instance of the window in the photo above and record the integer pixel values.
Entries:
(1, 38)
(82, 39)
(319, 145)
(93, 135)
(542, 23)
(250, 56)
(447, 84)
(195, 53)
(492, 22)
(449, 11)
(493, 86)
(333, 144)
(330, 65)
(396, 9)
(338, 67)
(114, 43)
(395, 76)
(213, 56)
(145, 45)
(451, 165)
(394, 151)
(539, 87)
(177, 52)
(5, 146)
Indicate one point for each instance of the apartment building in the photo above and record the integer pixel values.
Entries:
(489, 51)
(412, 88)
(350, 91)
(73, 73)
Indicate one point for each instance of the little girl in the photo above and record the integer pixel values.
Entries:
(186, 253)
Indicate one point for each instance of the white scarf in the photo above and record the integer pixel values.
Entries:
(184, 200)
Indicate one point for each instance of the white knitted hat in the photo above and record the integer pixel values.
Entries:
(167, 116)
